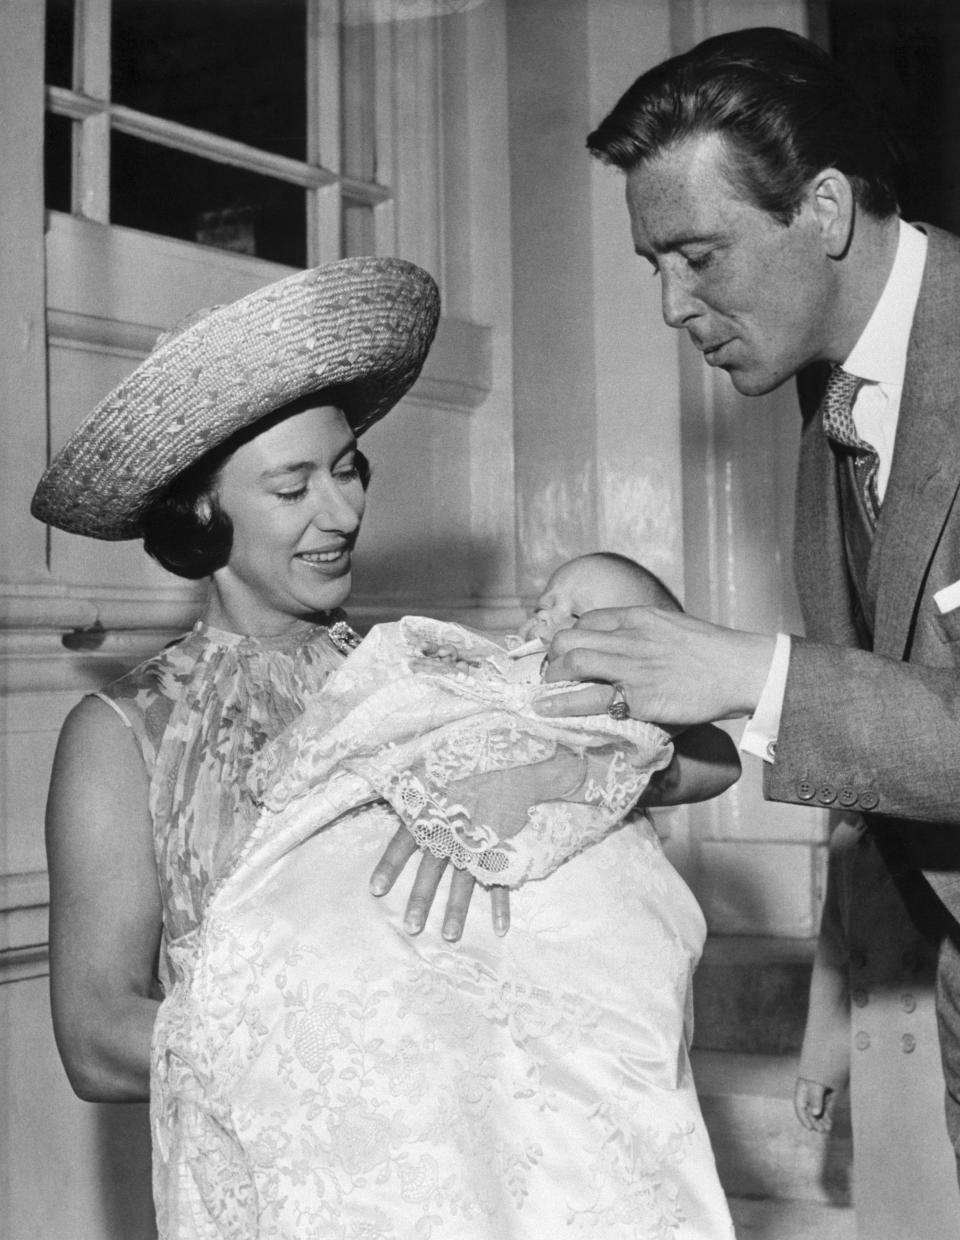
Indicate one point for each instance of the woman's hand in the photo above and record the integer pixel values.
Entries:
(673, 668)
(443, 656)
(429, 872)
(105, 914)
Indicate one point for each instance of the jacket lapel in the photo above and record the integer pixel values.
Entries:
(925, 474)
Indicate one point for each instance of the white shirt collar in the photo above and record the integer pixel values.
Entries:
(880, 355)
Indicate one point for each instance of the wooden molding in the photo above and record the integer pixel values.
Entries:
(24, 899)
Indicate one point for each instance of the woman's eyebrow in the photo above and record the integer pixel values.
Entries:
(299, 466)
(293, 468)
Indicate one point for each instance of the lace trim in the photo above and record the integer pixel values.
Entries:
(463, 759)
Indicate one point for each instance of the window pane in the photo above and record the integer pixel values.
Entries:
(59, 67)
(180, 195)
(57, 162)
(358, 235)
(233, 67)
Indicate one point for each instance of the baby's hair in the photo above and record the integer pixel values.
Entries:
(661, 595)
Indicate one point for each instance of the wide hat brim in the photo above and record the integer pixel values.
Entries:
(362, 325)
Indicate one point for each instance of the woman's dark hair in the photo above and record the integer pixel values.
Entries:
(784, 108)
(184, 528)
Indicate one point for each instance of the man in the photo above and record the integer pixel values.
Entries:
(761, 193)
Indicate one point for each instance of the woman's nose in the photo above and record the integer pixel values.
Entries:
(337, 508)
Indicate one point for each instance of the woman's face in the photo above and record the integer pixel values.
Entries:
(295, 498)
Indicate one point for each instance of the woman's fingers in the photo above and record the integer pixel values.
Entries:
(395, 857)
(444, 652)
(500, 909)
(458, 904)
(429, 872)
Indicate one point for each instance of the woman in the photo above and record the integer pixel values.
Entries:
(472, 1092)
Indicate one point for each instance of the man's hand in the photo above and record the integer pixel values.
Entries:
(673, 668)
(398, 852)
(814, 1104)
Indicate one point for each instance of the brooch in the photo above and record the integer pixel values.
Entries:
(344, 637)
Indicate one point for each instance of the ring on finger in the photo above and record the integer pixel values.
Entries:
(618, 708)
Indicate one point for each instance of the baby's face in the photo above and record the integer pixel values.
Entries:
(572, 590)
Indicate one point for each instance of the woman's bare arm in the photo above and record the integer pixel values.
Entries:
(105, 912)
(705, 763)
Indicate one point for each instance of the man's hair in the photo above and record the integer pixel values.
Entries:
(784, 109)
(185, 529)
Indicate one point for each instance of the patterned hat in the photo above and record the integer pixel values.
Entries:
(364, 325)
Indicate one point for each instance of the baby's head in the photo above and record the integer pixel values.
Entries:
(600, 579)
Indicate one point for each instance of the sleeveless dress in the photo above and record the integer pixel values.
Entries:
(318, 1073)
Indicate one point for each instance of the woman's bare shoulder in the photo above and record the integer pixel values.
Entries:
(97, 750)
(94, 716)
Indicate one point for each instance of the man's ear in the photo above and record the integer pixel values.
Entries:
(834, 207)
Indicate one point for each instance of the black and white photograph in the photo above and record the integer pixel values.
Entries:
(480, 620)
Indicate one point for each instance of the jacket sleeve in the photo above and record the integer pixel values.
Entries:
(863, 732)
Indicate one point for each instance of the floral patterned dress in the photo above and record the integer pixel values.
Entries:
(318, 1073)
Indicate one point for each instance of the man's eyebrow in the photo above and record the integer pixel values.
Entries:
(678, 242)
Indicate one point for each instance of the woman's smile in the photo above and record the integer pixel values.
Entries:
(336, 557)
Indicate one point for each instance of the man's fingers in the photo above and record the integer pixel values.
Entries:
(395, 856)
(429, 873)
(500, 909)
(458, 903)
(605, 619)
(602, 658)
(801, 1104)
(610, 640)
(600, 674)
(813, 1104)
(591, 700)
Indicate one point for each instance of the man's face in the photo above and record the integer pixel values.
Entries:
(756, 296)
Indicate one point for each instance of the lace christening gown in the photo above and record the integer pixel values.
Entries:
(318, 1073)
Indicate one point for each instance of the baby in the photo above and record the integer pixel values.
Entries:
(589, 582)
(586, 583)
(438, 721)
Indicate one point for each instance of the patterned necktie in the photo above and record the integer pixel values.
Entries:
(837, 415)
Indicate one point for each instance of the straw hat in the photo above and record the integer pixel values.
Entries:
(364, 324)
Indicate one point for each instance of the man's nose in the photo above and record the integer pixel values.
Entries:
(678, 304)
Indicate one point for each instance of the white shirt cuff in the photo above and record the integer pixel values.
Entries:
(763, 727)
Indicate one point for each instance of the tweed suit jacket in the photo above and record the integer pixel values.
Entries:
(879, 731)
